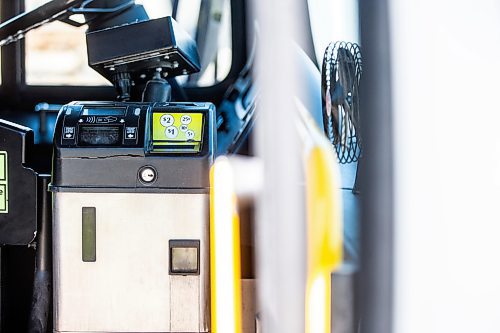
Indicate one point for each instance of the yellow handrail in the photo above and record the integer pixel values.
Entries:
(324, 224)
(324, 237)
(225, 258)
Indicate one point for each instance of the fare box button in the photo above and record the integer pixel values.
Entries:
(131, 133)
(69, 132)
(3, 198)
(3, 165)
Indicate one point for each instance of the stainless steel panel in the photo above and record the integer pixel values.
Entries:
(128, 288)
(249, 310)
(184, 291)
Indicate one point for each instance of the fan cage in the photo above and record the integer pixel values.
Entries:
(341, 115)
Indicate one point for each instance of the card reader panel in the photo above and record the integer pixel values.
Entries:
(175, 139)
(102, 124)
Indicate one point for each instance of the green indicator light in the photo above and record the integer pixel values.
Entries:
(88, 234)
(4, 183)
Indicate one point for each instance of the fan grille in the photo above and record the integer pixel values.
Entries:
(341, 74)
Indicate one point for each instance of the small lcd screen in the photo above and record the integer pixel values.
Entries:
(103, 112)
(99, 135)
(177, 131)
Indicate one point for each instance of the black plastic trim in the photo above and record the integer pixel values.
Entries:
(163, 190)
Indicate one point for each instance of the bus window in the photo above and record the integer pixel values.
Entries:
(56, 53)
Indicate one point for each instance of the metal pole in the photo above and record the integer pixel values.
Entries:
(375, 287)
(42, 284)
(280, 222)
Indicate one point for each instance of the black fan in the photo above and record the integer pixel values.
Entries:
(341, 74)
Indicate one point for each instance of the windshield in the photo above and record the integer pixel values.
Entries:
(332, 21)
(56, 53)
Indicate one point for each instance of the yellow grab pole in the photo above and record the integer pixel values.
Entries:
(225, 259)
(324, 235)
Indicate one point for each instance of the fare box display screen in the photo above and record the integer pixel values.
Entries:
(177, 131)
